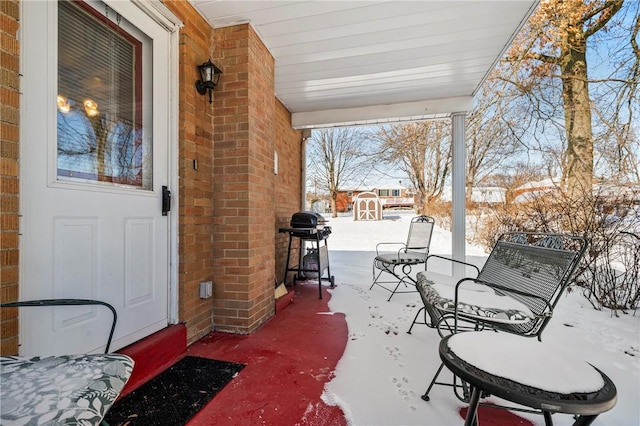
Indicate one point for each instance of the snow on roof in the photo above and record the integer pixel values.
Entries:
(390, 186)
(544, 183)
(373, 187)
(531, 195)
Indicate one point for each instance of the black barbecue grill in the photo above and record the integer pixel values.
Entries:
(305, 224)
(309, 227)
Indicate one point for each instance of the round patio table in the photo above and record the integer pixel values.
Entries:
(527, 372)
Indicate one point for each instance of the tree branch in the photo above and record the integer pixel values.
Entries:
(606, 11)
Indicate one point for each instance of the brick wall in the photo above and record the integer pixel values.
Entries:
(287, 185)
(9, 161)
(261, 262)
(195, 142)
(250, 200)
(244, 215)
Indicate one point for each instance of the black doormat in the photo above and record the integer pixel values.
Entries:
(175, 395)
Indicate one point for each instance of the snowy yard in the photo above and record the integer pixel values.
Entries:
(384, 370)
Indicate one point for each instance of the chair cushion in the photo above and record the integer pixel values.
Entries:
(402, 258)
(474, 300)
(61, 390)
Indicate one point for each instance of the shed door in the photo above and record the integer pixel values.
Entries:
(366, 209)
(94, 161)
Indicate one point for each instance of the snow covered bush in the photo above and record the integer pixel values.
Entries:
(609, 274)
(612, 278)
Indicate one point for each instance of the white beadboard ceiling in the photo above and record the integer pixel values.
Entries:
(358, 62)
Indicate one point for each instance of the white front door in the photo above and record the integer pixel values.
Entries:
(94, 159)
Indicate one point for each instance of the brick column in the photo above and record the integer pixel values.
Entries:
(244, 218)
(195, 134)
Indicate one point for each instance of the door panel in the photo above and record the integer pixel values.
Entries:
(139, 255)
(75, 255)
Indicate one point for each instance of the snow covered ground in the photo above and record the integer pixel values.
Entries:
(384, 370)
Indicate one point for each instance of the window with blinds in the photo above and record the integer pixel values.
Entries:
(100, 116)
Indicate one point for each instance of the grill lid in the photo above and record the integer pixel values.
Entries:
(307, 220)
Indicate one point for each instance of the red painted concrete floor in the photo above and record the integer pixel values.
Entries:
(288, 361)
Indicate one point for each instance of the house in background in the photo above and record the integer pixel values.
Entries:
(391, 195)
(179, 180)
(481, 195)
(530, 190)
(488, 195)
(616, 200)
(344, 200)
(394, 195)
(318, 203)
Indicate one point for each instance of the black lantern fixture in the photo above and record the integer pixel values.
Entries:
(209, 77)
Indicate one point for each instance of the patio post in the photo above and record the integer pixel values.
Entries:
(458, 214)
(306, 134)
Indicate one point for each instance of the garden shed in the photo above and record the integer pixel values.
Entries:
(367, 206)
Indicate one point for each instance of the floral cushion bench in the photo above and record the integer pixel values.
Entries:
(474, 300)
(61, 390)
(516, 289)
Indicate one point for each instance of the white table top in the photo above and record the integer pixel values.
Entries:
(527, 361)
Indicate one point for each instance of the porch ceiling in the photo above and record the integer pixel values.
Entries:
(359, 62)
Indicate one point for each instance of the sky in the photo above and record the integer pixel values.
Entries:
(384, 370)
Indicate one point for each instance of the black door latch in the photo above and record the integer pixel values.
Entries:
(166, 200)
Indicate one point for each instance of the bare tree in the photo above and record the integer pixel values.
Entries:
(616, 99)
(554, 45)
(422, 150)
(618, 149)
(336, 157)
(493, 134)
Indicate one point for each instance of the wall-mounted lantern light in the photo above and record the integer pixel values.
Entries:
(209, 77)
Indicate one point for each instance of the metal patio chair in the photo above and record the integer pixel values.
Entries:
(63, 389)
(515, 291)
(399, 264)
(69, 302)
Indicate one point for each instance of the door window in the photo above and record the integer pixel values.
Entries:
(103, 121)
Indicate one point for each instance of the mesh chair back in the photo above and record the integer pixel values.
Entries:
(69, 302)
(540, 266)
(420, 232)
